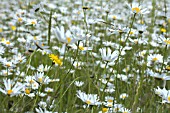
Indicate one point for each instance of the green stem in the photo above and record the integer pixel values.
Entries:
(49, 28)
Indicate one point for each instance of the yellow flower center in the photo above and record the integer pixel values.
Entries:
(68, 39)
(35, 85)
(9, 92)
(120, 31)
(78, 12)
(31, 81)
(19, 19)
(110, 100)
(27, 91)
(168, 67)
(136, 9)
(168, 98)
(141, 22)
(142, 53)
(124, 96)
(49, 91)
(154, 59)
(127, 69)
(114, 17)
(104, 110)
(110, 104)
(8, 64)
(81, 47)
(13, 28)
(7, 42)
(35, 38)
(136, 41)
(1, 30)
(169, 20)
(125, 112)
(88, 102)
(131, 32)
(40, 80)
(163, 30)
(33, 22)
(116, 109)
(167, 41)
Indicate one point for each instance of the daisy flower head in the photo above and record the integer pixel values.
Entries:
(123, 96)
(41, 78)
(158, 76)
(64, 37)
(108, 55)
(154, 58)
(163, 40)
(136, 8)
(32, 22)
(160, 92)
(42, 68)
(109, 101)
(78, 83)
(164, 94)
(89, 99)
(31, 83)
(124, 110)
(11, 88)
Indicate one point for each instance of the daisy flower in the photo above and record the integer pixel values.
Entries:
(30, 82)
(124, 110)
(42, 68)
(108, 55)
(89, 99)
(137, 9)
(41, 78)
(31, 22)
(11, 88)
(162, 76)
(64, 37)
(155, 58)
(123, 96)
(2, 50)
(48, 90)
(78, 83)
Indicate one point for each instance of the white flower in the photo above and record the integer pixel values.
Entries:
(161, 76)
(117, 107)
(164, 94)
(108, 55)
(163, 40)
(41, 78)
(124, 110)
(42, 104)
(136, 8)
(31, 22)
(123, 96)
(48, 90)
(78, 83)
(155, 58)
(11, 88)
(89, 99)
(2, 50)
(30, 82)
(64, 37)
(42, 68)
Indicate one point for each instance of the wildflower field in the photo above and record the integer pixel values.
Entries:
(84, 56)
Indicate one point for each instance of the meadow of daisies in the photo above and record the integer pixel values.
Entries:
(84, 56)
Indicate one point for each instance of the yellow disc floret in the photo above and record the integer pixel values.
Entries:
(136, 9)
